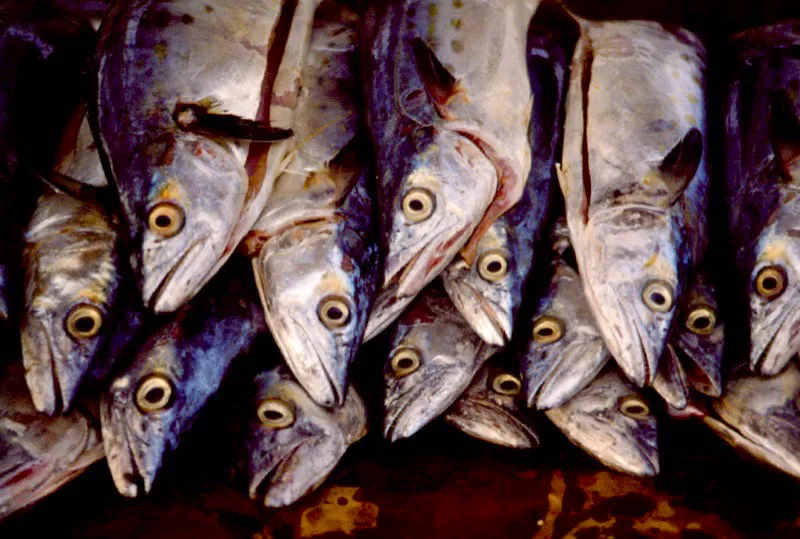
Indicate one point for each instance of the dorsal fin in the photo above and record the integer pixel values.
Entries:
(680, 165)
(784, 128)
(439, 82)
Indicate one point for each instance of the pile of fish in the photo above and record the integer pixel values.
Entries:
(189, 186)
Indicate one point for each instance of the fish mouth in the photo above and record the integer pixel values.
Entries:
(769, 360)
(580, 363)
(485, 420)
(388, 306)
(707, 383)
(129, 477)
(491, 322)
(168, 292)
(40, 367)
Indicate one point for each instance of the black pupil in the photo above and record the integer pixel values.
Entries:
(273, 415)
(635, 409)
(163, 221)
(546, 332)
(494, 266)
(508, 385)
(335, 313)
(416, 205)
(84, 324)
(154, 395)
(769, 283)
(658, 298)
(702, 323)
(405, 363)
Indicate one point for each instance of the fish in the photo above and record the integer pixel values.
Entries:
(451, 151)
(564, 350)
(433, 358)
(314, 251)
(153, 400)
(489, 293)
(39, 454)
(670, 382)
(760, 417)
(490, 409)
(611, 420)
(635, 181)
(194, 111)
(762, 130)
(293, 443)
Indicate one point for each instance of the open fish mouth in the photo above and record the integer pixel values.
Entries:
(491, 322)
(572, 373)
(166, 293)
(125, 470)
(263, 479)
(416, 412)
(388, 306)
(485, 420)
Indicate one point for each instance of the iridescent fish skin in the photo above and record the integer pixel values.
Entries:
(434, 357)
(175, 371)
(182, 89)
(293, 443)
(452, 155)
(611, 420)
(761, 417)
(564, 350)
(314, 249)
(762, 128)
(490, 409)
(634, 180)
(39, 454)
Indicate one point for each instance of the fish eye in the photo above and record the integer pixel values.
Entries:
(547, 330)
(658, 296)
(770, 282)
(493, 266)
(276, 414)
(634, 407)
(154, 394)
(701, 320)
(334, 311)
(165, 219)
(418, 204)
(405, 361)
(84, 321)
(506, 384)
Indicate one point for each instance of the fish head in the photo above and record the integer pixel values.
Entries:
(197, 189)
(140, 415)
(487, 293)
(564, 350)
(490, 409)
(612, 422)
(316, 298)
(445, 189)
(293, 443)
(632, 282)
(434, 356)
(774, 293)
(72, 280)
(761, 417)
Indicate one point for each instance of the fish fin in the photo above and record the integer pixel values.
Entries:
(441, 85)
(198, 118)
(784, 127)
(680, 165)
(66, 185)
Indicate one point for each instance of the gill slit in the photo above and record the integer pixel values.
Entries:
(586, 78)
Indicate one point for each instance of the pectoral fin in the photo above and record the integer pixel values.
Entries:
(197, 118)
(680, 165)
(441, 85)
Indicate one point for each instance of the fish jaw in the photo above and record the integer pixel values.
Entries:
(624, 250)
(293, 283)
(580, 363)
(39, 361)
(775, 331)
(462, 181)
(485, 420)
(488, 309)
(387, 307)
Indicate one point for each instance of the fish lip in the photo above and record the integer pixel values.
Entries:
(397, 426)
(547, 394)
(46, 404)
(492, 324)
(260, 480)
(517, 425)
(127, 476)
(157, 300)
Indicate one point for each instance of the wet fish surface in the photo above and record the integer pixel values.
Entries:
(189, 97)
(156, 398)
(447, 105)
(314, 252)
(491, 409)
(434, 356)
(762, 132)
(634, 179)
(293, 443)
(39, 454)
